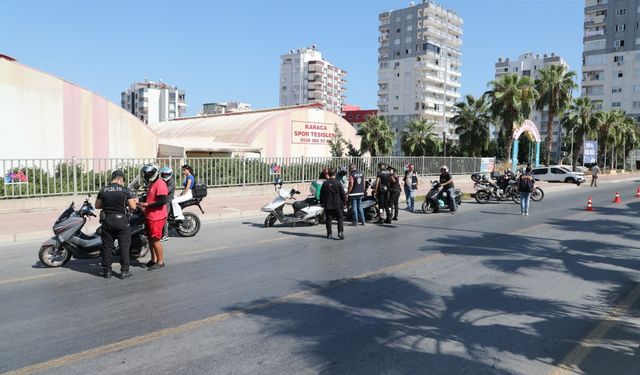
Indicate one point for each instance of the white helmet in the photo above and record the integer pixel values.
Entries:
(446, 169)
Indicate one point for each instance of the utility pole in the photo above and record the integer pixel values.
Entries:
(444, 142)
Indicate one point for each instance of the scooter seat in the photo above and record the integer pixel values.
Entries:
(299, 205)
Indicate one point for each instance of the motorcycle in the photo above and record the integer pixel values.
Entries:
(190, 225)
(505, 189)
(70, 240)
(307, 211)
(536, 195)
(431, 200)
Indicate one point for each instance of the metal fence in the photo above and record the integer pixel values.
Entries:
(49, 177)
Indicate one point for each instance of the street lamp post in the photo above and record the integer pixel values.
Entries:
(444, 142)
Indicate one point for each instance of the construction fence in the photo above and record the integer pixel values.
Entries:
(23, 178)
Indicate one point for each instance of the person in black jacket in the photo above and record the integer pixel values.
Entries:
(115, 201)
(396, 191)
(333, 199)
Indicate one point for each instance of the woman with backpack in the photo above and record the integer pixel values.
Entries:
(525, 187)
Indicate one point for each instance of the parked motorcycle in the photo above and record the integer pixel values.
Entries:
(307, 211)
(536, 195)
(431, 200)
(487, 190)
(69, 240)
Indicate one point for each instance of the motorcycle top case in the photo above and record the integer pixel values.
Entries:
(200, 190)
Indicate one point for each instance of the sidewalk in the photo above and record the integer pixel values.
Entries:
(34, 225)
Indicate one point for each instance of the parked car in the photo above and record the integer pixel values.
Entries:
(558, 173)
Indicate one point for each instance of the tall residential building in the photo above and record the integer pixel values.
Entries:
(224, 107)
(611, 55)
(528, 65)
(419, 66)
(153, 102)
(305, 77)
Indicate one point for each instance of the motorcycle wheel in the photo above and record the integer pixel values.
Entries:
(139, 247)
(190, 226)
(313, 221)
(537, 195)
(270, 220)
(482, 196)
(52, 257)
(371, 214)
(426, 207)
(516, 198)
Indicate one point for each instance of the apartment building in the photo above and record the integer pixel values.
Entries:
(305, 77)
(153, 102)
(224, 107)
(419, 66)
(611, 55)
(528, 65)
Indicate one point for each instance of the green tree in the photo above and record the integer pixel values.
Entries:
(338, 143)
(472, 124)
(377, 136)
(628, 138)
(419, 139)
(353, 151)
(511, 99)
(580, 119)
(608, 123)
(554, 87)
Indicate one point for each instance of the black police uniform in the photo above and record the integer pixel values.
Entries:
(115, 224)
(384, 193)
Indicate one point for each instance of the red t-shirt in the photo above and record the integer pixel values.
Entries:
(157, 188)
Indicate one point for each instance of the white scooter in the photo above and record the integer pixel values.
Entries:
(307, 211)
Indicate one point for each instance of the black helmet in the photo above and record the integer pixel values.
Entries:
(149, 173)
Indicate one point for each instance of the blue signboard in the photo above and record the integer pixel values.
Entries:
(590, 152)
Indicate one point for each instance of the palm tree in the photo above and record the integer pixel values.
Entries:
(419, 139)
(377, 136)
(554, 86)
(580, 119)
(628, 137)
(511, 99)
(608, 123)
(472, 122)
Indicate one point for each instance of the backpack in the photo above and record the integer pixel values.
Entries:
(525, 185)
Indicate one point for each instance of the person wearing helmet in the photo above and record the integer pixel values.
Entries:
(447, 185)
(343, 178)
(137, 182)
(189, 182)
(166, 173)
(155, 211)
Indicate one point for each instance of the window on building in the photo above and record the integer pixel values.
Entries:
(616, 90)
(621, 12)
(636, 88)
(616, 104)
(396, 42)
(594, 60)
(618, 74)
(636, 104)
(618, 58)
(618, 43)
(408, 39)
(593, 45)
(620, 27)
(410, 27)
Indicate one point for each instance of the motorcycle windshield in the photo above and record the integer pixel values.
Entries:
(65, 215)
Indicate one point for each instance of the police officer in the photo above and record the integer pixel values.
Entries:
(166, 173)
(383, 191)
(115, 200)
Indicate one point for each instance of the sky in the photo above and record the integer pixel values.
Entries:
(230, 50)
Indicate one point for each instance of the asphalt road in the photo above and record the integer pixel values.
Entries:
(484, 291)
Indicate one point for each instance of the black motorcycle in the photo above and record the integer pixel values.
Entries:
(190, 226)
(432, 203)
(369, 205)
(69, 240)
(504, 189)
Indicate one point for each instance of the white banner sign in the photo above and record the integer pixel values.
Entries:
(311, 132)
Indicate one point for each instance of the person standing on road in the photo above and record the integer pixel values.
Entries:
(383, 191)
(155, 211)
(525, 187)
(446, 181)
(410, 187)
(166, 173)
(333, 199)
(115, 200)
(595, 172)
(356, 192)
(188, 184)
(396, 191)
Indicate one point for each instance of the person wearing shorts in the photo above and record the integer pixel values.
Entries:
(155, 212)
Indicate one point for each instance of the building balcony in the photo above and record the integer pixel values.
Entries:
(592, 33)
(595, 20)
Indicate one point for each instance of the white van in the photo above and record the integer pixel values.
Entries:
(558, 173)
